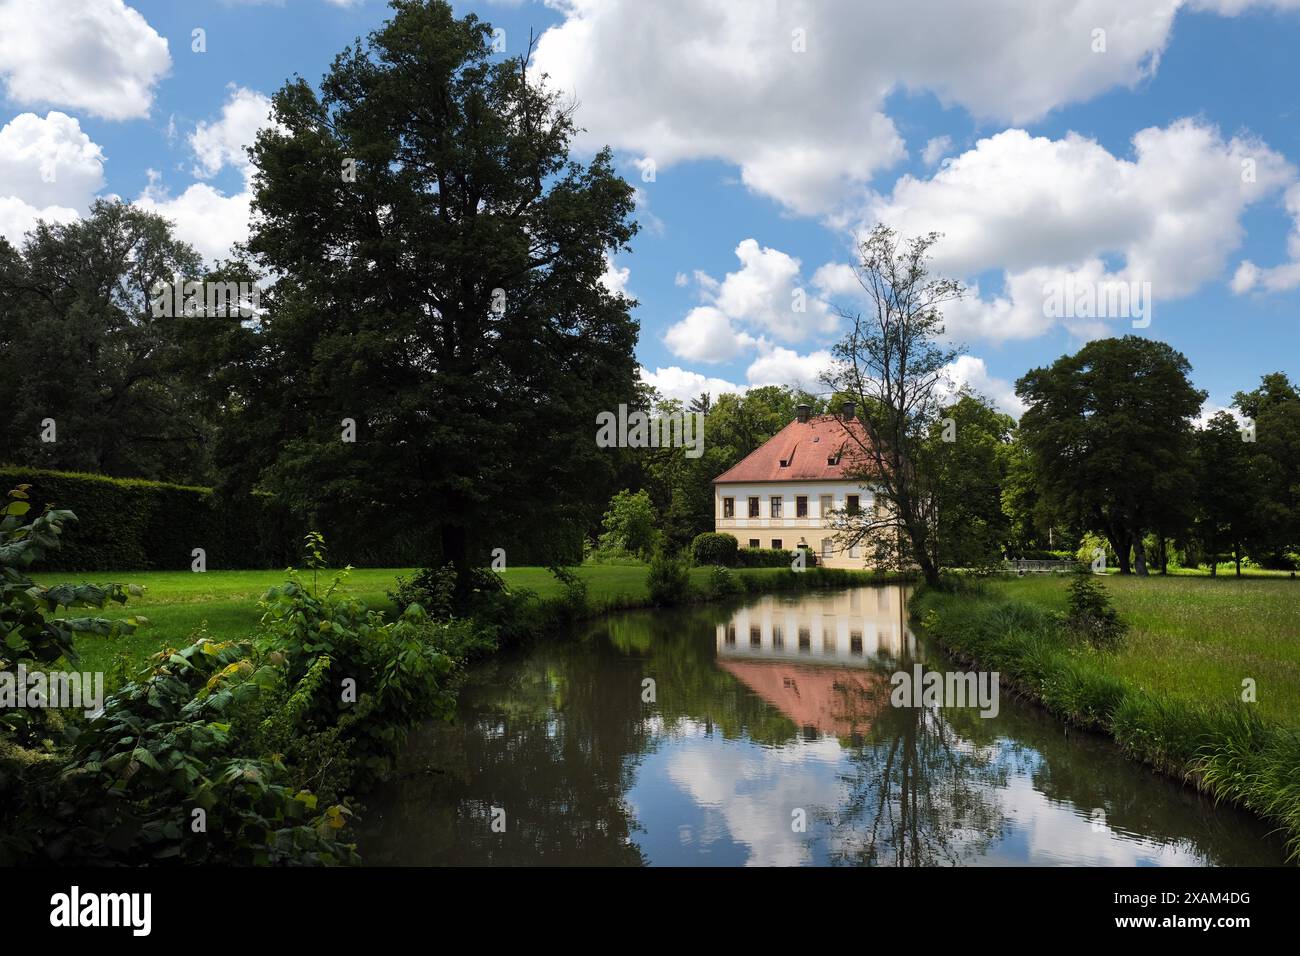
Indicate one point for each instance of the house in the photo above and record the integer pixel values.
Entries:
(781, 495)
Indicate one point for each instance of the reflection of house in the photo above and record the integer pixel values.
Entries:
(851, 627)
(839, 701)
(782, 494)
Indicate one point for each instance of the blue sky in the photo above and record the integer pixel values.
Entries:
(778, 131)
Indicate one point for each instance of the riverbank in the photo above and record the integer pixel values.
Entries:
(1171, 693)
(225, 603)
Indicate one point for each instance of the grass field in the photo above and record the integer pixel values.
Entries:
(1195, 639)
(225, 602)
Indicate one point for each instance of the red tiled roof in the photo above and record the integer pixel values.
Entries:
(806, 448)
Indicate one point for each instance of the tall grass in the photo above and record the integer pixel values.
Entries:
(1239, 752)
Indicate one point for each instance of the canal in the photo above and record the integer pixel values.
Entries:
(762, 733)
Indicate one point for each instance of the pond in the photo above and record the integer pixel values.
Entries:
(764, 734)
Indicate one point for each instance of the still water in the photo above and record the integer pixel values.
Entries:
(771, 740)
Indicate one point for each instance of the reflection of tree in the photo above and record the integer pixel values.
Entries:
(917, 796)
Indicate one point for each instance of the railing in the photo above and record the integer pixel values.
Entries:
(1032, 566)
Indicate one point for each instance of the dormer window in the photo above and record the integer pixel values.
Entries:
(785, 462)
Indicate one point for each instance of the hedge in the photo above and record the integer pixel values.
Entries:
(128, 524)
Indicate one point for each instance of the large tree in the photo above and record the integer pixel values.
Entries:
(438, 260)
(1110, 432)
(1271, 468)
(83, 359)
(893, 362)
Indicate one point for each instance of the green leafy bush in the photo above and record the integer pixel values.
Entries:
(720, 584)
(771, 558)
(1090, 614)
(669, 580)
(713, 547)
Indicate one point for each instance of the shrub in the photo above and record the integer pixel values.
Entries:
(771, 558)
(1090, 614)
(720, 584)
(712, 547)
(669, 580)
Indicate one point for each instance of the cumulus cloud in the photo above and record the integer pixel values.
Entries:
(225, 141)
(1047, 211)
(614, 278)
(781, 366)
(100, 56)
(679, 383)
(50, 170)
(936, 149)
(209, 219)
(971, 373)
(764, 297)
(796, 93)
(1250, 277)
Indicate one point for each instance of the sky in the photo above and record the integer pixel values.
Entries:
(1063, 150)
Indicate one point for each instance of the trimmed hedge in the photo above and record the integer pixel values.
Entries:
(126, 524)
(772, 557)
(713, 547)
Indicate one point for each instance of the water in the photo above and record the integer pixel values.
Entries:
(765, 716)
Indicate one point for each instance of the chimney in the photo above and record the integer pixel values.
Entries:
(849, 409)
(803, 411)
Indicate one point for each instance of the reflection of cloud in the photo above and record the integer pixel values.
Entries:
(754, 789)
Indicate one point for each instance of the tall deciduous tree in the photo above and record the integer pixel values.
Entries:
(1110, 431)
(893, 363)
(438, 260)
(83, 359)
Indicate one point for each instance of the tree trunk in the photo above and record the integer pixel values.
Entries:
(1164, 556)
(1139, 555)
(1121, 549)
(1236, 556)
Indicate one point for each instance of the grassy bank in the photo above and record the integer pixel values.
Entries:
(225, 603)
(1170, 693)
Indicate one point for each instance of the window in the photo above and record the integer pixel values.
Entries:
(775, 506)
(853, 550)
(728, 507)
(778, 636)
(805, 641)
(755, 636)
(776, 544)
(855, 643)
(801, 506)
(828, 503)
(753, 542)
(828, 645)
(851, 504)
(731, 635)
(828, 548)
(753, 507)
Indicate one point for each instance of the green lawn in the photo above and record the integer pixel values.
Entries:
(225, 602)
(1196, 638)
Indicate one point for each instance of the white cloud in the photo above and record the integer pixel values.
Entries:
(968, 371)
(936, 149)
(205, 217)
(1042, 210)
(615, 279)
(226, 140)
(675, 382)
(100, 56)
(781, 366)
(1249, 276)
(809, 129)
(681, 280)
(764, 296)
(50, 170)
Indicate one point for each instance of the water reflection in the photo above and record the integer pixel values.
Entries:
(762, 715)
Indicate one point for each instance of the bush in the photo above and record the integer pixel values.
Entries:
(712, 547)
(669, 580)
(1091, 615)
(720, 584)
(772, 558)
